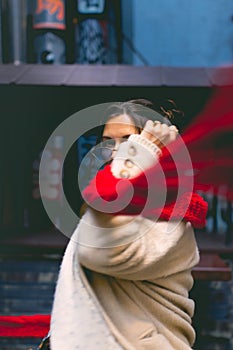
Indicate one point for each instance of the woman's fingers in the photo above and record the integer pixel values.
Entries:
(158, 133)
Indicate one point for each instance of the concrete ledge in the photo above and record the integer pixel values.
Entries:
(114, 75)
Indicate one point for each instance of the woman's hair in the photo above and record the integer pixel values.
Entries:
(139, 111)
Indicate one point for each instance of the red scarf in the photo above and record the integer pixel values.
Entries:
(209, 140)
(116, 198)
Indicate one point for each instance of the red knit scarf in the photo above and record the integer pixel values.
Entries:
(110, 194)
(209, 140)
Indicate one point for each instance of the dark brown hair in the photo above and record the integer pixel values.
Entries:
(140, 110)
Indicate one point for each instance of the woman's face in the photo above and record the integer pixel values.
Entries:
(117, 130)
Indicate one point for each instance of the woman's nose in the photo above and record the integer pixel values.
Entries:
(115, 149)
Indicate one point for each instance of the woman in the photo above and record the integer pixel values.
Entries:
(125, 279)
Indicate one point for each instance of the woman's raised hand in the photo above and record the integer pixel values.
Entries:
(158, 133)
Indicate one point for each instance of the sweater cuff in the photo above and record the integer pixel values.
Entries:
(150, 146)
(134, 156)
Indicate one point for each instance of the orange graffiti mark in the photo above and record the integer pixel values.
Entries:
(52, 6)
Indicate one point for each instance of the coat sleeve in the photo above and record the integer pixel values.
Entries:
(135, 248)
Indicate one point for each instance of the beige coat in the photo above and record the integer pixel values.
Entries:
(136, 296)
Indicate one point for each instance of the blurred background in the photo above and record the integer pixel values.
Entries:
(58, 57)
(154, 33)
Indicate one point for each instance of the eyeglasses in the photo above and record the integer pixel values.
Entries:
(104, 150)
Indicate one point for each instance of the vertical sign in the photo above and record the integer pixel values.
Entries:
(49, 23)
(49, 14)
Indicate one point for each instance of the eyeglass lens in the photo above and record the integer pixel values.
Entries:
(105, 148)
